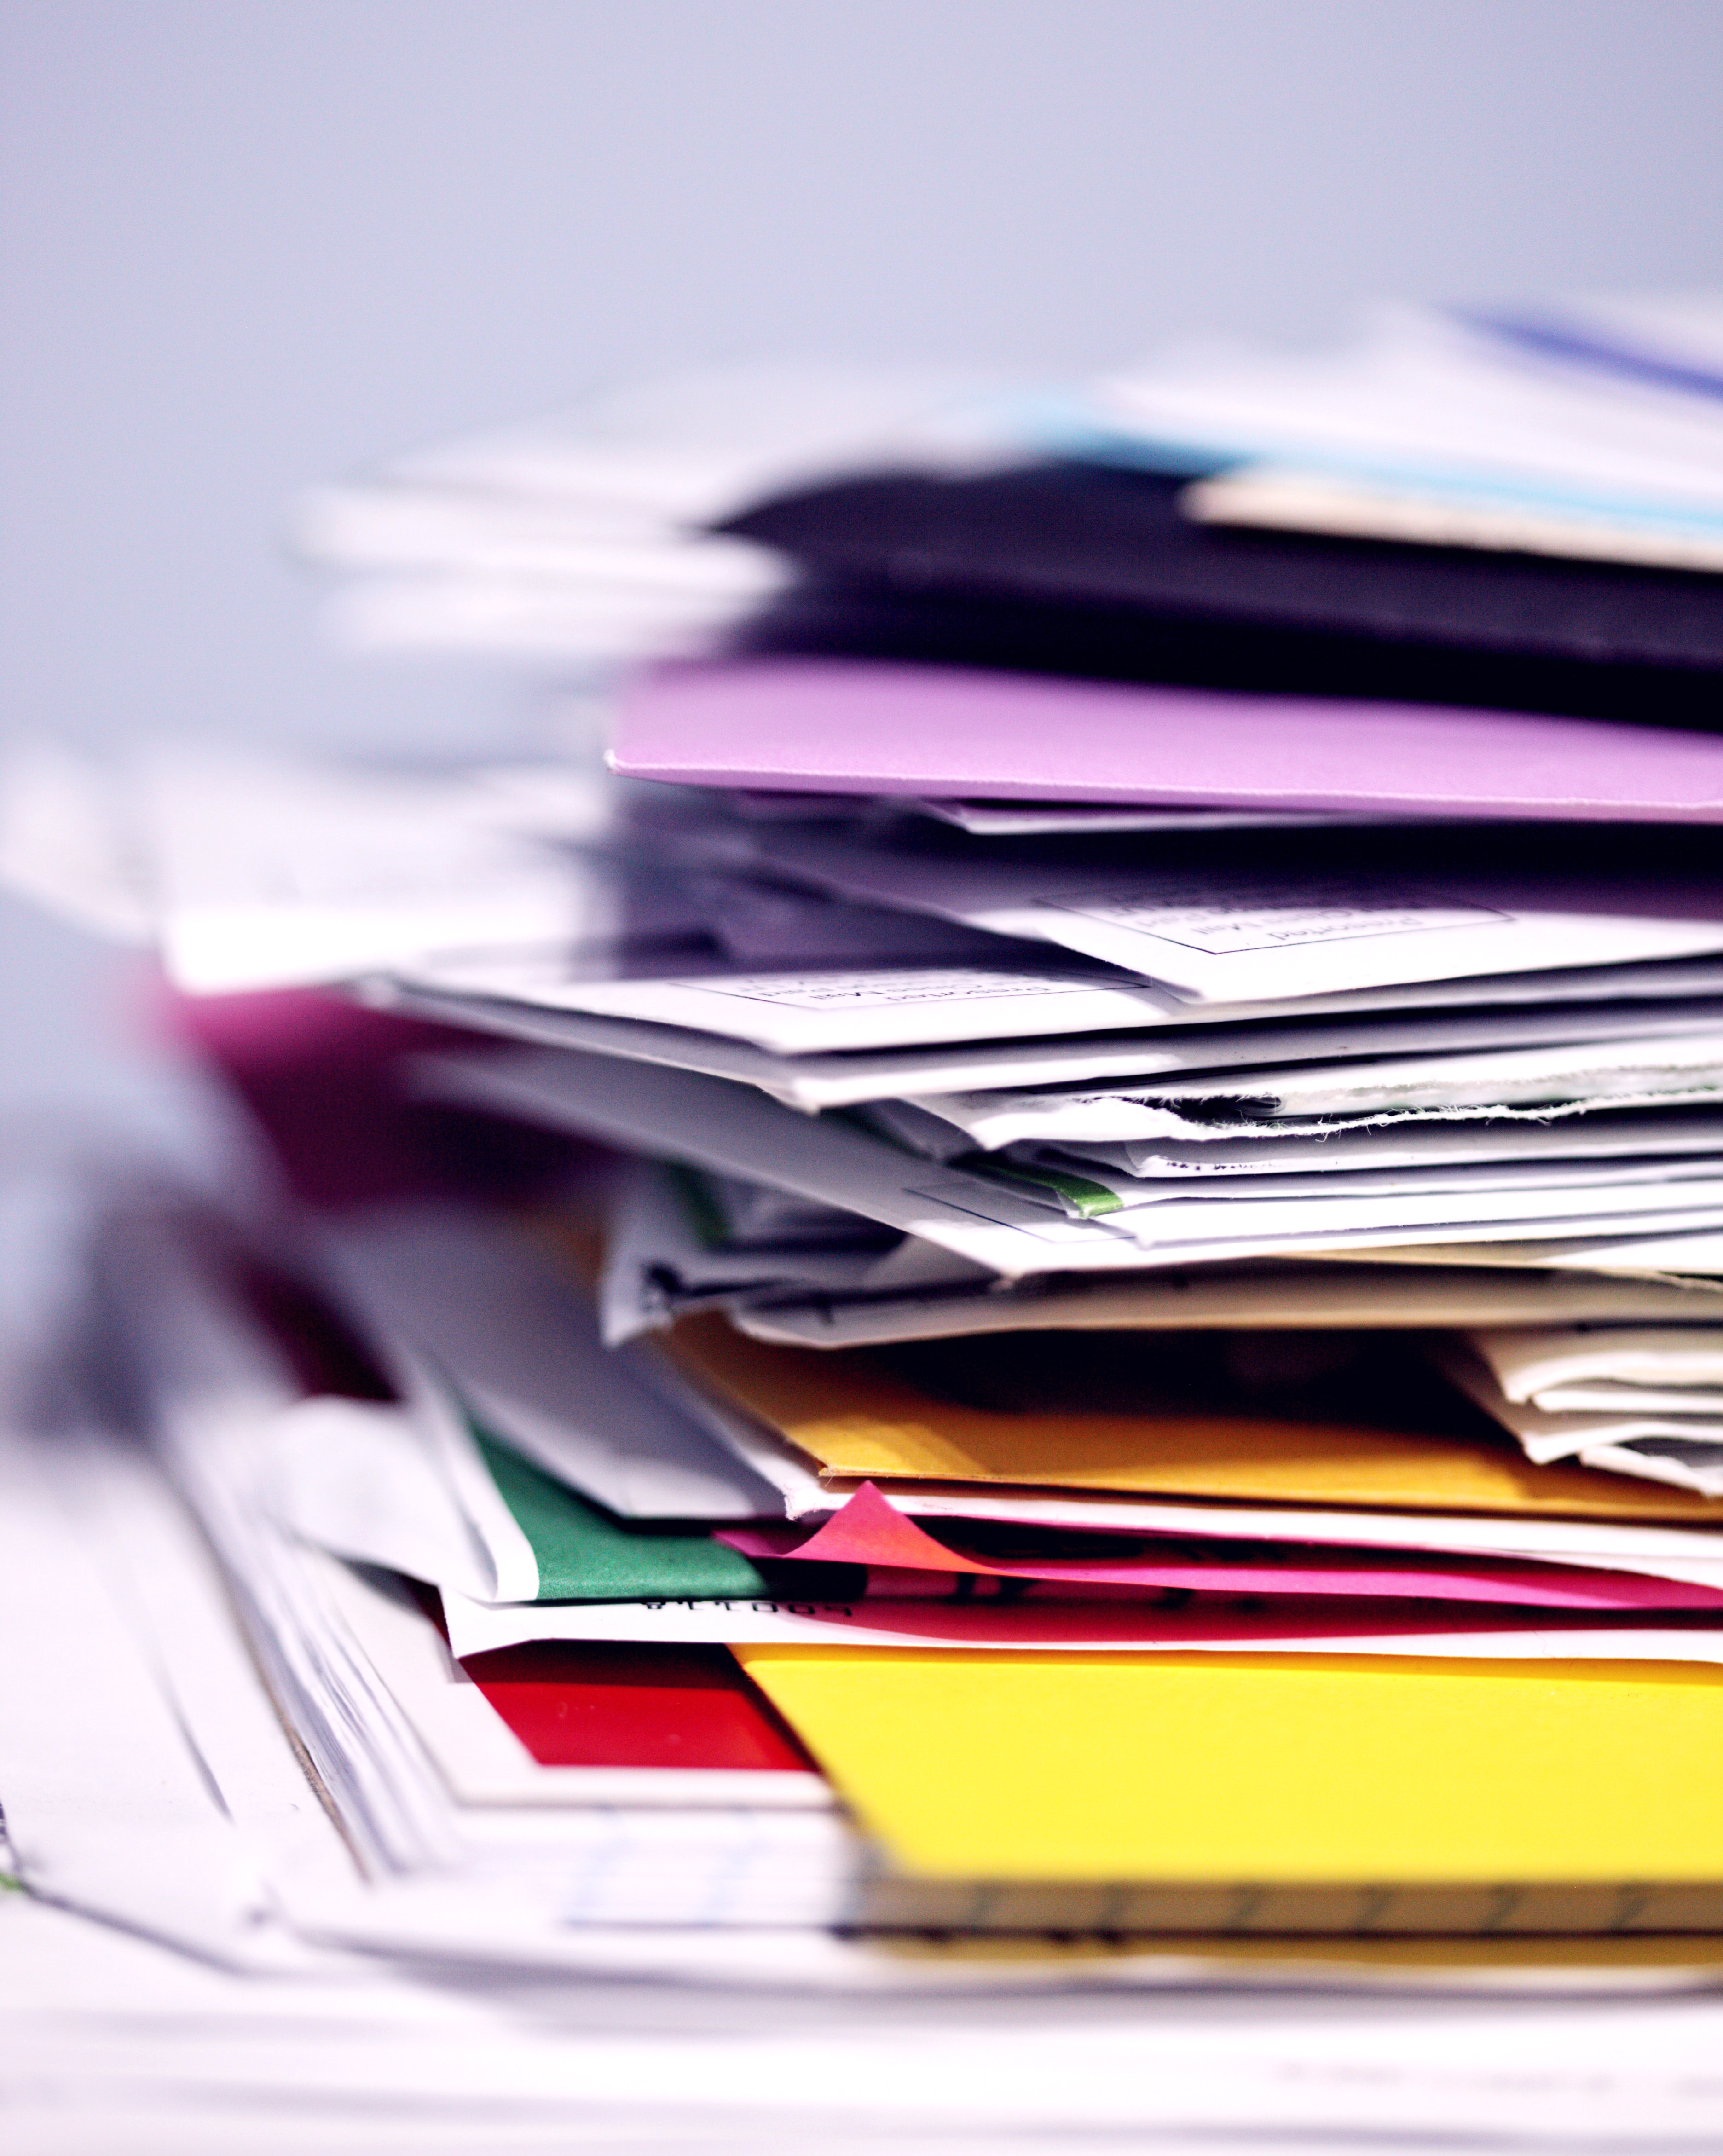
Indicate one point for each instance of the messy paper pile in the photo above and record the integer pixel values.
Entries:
(1054, 1264)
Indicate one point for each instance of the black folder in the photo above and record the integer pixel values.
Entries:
(1091, 570)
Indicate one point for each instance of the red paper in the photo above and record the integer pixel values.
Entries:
(604, 1704)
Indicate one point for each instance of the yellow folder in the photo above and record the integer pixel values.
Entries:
(856, 1420)
(1242, 1774)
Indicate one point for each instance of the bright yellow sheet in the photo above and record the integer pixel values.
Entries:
(856, 1420)
(1294, 1768)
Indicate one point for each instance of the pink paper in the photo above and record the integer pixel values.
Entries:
(861, 727)
(1125, 1624)
(870, 1530)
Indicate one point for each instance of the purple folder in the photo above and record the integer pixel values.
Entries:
(830, 725)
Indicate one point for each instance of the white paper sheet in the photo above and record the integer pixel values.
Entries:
(848, 1029)
(1687, 1553)
(1683, 1462)
(1270, 1216)
(401, 1483)
(831, 1010)
(1023, 819)
(516, 1338)
(475, 1628)
(649, 611)
(1230, 1120)
(1414, 1180)
(359, 1480)
(1312, 1296)
(1600, 1397)
(1528, 1362)
(1428, 1147)
(1619, 1242)
(1492, 1190)
(1587, 1072)
(1218, 936)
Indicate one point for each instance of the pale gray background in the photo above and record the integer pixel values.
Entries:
(251, 243)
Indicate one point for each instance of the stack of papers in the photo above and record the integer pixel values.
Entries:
(1051, 1265)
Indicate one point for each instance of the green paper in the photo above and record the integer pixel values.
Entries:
(586, 1554)
(1088, 1199)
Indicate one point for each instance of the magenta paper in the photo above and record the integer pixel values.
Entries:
(859, 727)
